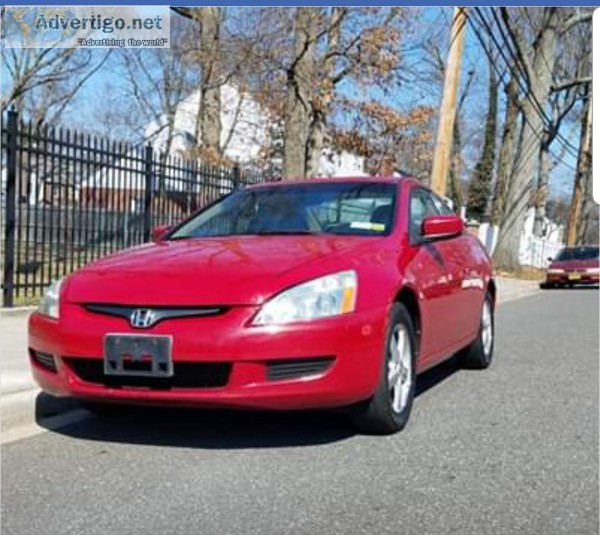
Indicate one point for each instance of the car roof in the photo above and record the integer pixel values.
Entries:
(330, 180)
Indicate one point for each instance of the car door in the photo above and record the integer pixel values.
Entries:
(435, 273)
(467, 259)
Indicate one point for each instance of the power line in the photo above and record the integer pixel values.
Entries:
(493, 64)
(519, 65)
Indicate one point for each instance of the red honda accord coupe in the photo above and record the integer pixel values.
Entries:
(295, 295)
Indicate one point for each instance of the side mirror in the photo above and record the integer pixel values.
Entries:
(442, 226)
(550, 259)
(159, 232)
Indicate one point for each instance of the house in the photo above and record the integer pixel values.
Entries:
(244, 126)
(245, 132)
(341, 163)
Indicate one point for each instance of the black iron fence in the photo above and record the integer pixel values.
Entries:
(69, 198)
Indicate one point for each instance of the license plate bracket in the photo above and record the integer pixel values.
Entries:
(574, 276)
(138, 355)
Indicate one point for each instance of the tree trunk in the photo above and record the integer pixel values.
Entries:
(584, 171)
(541, 195)
(506, 255)
(507, 151)
(321, 106)
(208, 124)
(588, 226)
(299, 93)
(480, 185)
(455, 167)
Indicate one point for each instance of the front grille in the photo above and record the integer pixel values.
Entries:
(185, 375)
(158, 313)
(295, 368)
(43, 359)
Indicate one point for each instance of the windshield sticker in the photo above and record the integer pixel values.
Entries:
(366, 225)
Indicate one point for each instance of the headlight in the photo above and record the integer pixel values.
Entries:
(49, 305)
(593, 271)
(555, 271)
(327, 296)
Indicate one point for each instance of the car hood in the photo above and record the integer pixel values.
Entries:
(575, 264)
(241, 270)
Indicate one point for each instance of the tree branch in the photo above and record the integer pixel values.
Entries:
(578, 18)
(518, 42)
(571, 83)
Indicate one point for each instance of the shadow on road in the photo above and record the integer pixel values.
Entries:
(225, 429)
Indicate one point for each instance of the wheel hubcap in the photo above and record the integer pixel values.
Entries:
(487, 328)
(399, 367)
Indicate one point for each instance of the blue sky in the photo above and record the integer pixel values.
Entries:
(105, 90)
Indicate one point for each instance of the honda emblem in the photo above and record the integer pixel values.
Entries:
(142, 318)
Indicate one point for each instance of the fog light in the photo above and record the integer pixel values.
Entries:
(46, 360)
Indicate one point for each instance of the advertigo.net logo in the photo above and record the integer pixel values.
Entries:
(87, 26)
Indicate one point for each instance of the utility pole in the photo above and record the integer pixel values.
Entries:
(584, 167)
(443, 145)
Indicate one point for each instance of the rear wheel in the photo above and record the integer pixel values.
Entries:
(479, 354)
(389, 409)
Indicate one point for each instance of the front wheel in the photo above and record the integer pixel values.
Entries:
(389, 409)
(479, 354)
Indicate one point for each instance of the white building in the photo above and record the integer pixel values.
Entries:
(244, 126)
(245, 129)
(341, 163)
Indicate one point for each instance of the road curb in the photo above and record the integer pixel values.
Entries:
(16, 311)
(27, 412)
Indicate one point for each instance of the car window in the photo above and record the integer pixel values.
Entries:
(348, 208)
(578, 253)
(443, 204)
(422, 205)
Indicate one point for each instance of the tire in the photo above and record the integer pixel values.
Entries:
(388, 411)
(478, 355)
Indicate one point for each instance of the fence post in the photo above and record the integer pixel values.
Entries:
(148, 193)
(10, 224)
(236, 176)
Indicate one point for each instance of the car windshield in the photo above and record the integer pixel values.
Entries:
(319, 208)
(578, 253)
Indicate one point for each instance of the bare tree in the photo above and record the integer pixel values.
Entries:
(535, 53)
(41, 83)
(482, 178)
(581, 185)
(507, 150)
(572, 74)
(300, 81)
(157, 80)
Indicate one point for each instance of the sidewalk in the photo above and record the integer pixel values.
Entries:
(22, 404)
(510, 289)
(14, 368)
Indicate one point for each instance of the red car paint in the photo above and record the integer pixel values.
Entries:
(448, 279)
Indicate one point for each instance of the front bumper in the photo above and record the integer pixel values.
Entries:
(353, 343)
(572, 278)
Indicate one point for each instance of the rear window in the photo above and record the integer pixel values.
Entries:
(578, 253)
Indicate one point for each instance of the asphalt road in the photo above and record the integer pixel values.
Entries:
(510, 450)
